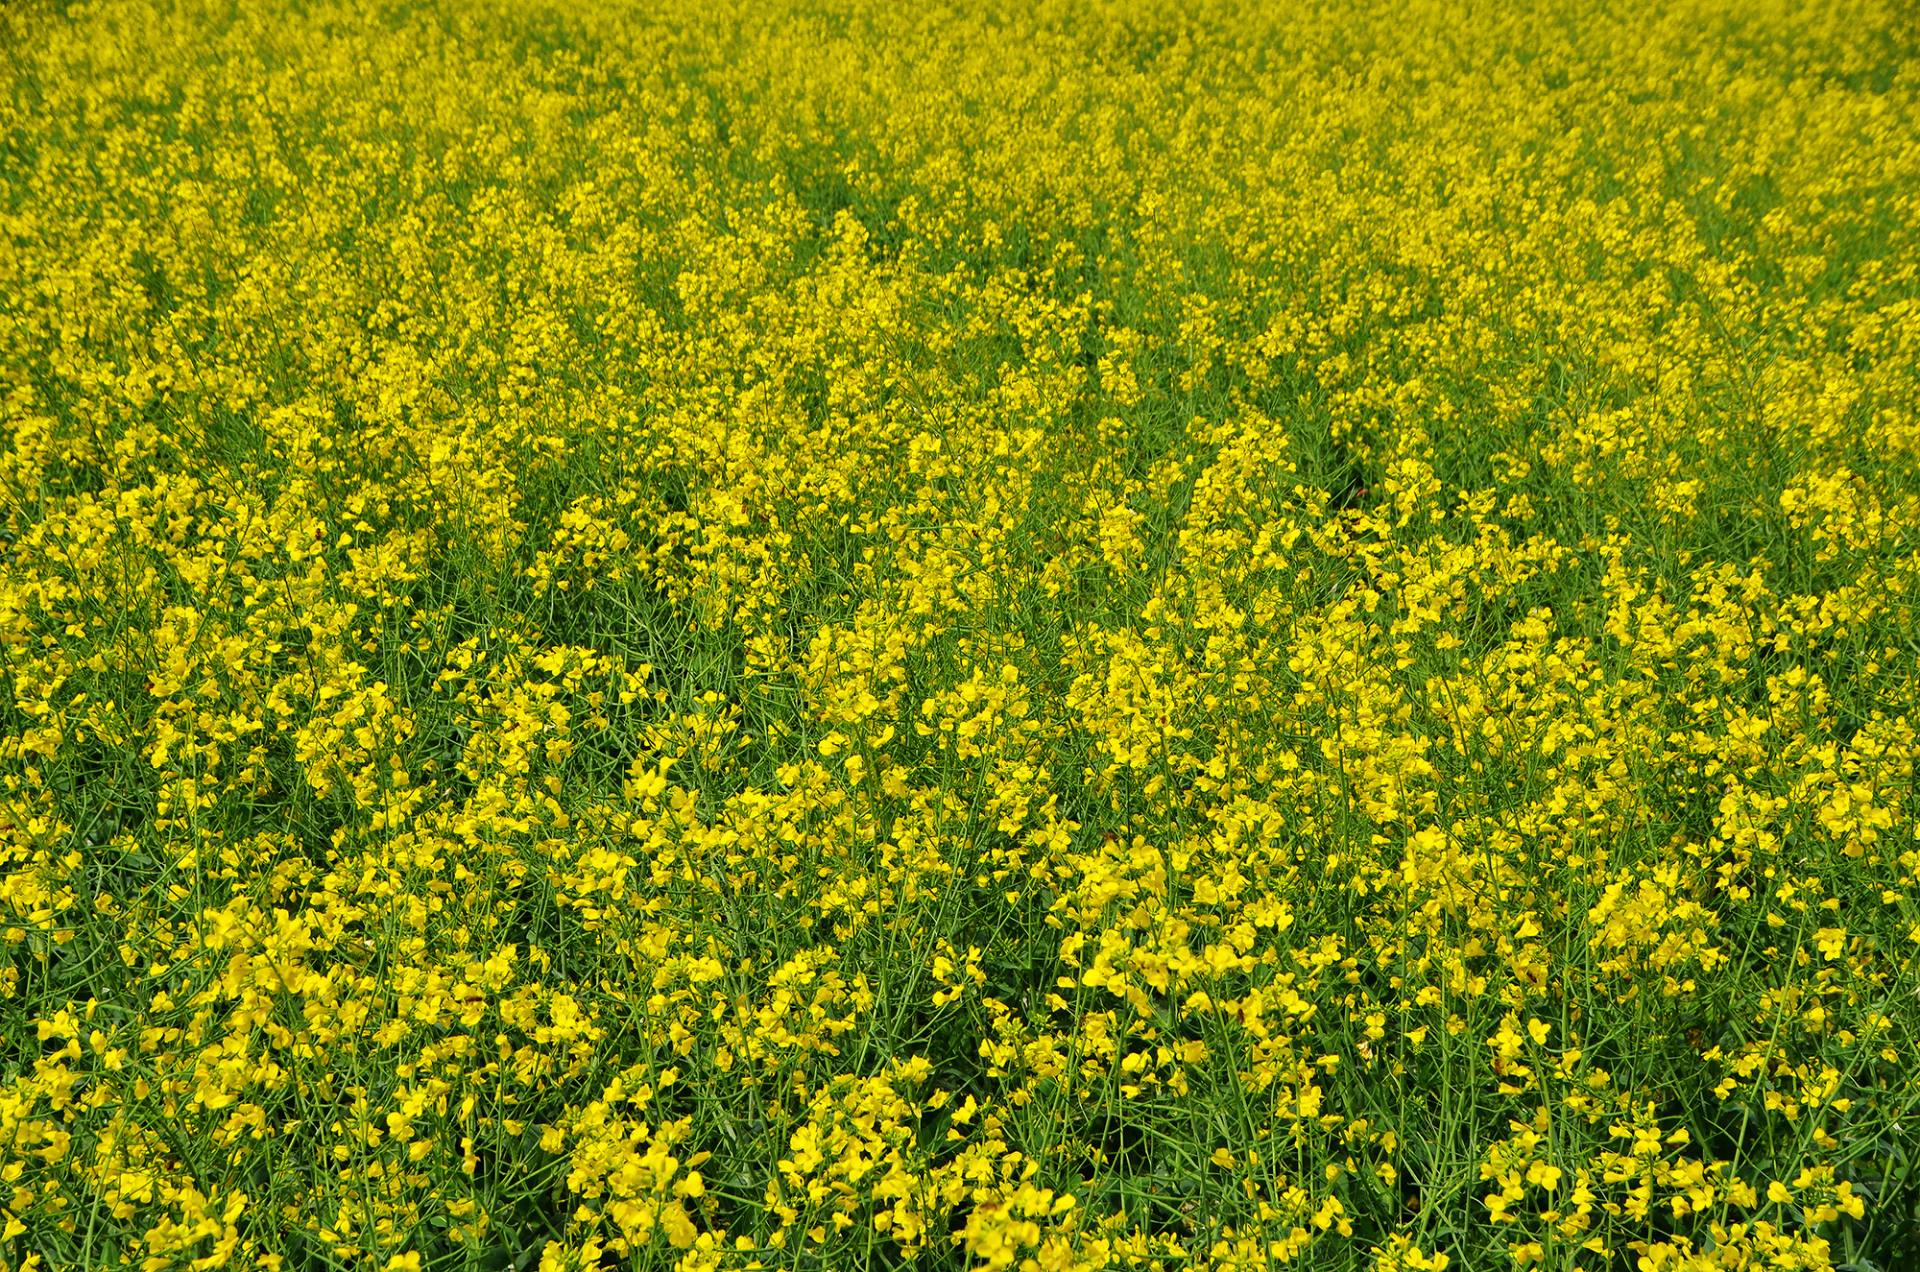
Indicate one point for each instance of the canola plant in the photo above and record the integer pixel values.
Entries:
(1139, 634)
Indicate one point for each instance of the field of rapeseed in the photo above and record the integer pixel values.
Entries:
(1146, 634)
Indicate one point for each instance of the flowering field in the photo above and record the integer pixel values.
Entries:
(1154, 635)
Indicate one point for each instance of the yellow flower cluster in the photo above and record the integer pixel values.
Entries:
(1142, 634)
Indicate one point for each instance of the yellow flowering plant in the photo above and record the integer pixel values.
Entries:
(842, 635)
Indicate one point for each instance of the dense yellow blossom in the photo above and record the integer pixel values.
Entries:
(1167, 634)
